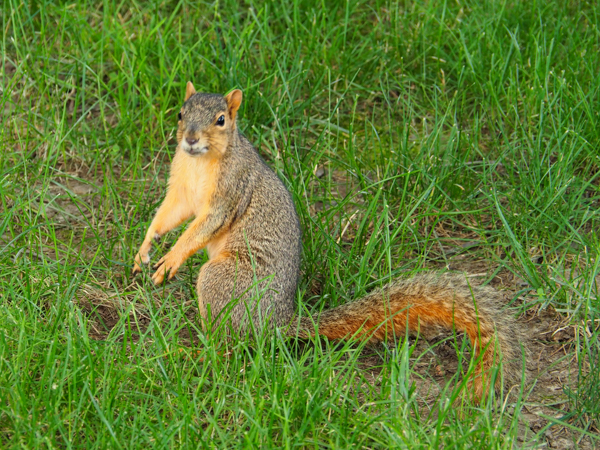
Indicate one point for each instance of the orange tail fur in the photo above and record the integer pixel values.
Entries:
(428, 304)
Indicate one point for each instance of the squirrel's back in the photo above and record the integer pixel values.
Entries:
(265, 233)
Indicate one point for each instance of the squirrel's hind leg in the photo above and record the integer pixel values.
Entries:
(235, 296)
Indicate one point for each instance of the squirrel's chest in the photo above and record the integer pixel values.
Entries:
(195, 181)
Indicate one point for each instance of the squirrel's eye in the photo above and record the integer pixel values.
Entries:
(179, 116)
(221, 121)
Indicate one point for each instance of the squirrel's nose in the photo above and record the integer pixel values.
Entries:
(191, 141)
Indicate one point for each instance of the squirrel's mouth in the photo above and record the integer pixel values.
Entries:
(194, 151)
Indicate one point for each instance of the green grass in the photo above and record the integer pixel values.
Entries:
(412, 135)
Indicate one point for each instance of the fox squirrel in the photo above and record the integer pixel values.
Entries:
(245, 218)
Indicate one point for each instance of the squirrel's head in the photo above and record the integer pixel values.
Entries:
(207, 121)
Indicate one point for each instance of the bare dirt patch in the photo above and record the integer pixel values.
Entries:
(106, 309)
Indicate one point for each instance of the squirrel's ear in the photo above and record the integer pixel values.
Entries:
(234, 100)
(189, 90)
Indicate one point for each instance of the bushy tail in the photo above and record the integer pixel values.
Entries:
(429, 304)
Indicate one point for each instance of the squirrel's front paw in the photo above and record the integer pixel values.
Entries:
(169, 263)
(137, 263)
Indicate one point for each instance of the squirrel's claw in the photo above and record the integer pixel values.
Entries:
(137, 263)
(136, 269)
(158, 277)
(167, 263)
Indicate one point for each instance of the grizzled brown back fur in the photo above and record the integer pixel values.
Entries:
(263, 244)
